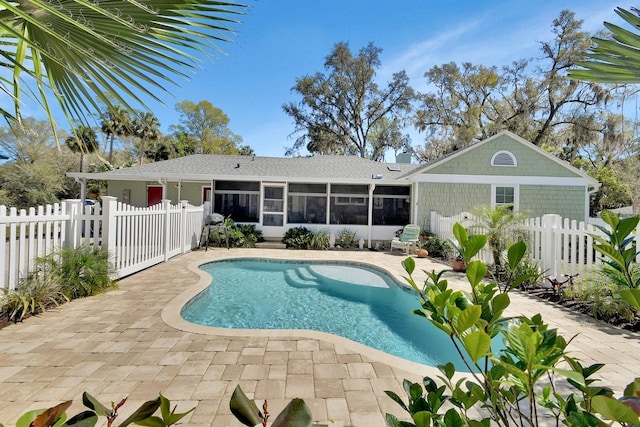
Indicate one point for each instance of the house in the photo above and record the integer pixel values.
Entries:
(371, 198)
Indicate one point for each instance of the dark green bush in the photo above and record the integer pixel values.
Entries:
(438, 248)
(297, 238)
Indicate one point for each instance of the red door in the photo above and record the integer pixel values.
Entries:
(154, 195)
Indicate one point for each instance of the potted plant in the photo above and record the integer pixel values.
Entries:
(457, 262)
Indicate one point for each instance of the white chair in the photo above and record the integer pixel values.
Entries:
(408, 238)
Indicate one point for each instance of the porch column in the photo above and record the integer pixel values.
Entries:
(370, 215)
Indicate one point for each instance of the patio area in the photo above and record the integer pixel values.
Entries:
(132, 342)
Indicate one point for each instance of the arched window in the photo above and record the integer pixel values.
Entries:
(504, 158)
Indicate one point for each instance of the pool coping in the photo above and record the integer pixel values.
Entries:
(172, 317)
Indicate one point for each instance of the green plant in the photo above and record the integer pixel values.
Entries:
(620, 253)
(319, 240)
(602, 298)
(145, 415)
(239, 235)
(438, 248)
(297, 238)
(513, 385)
(33, 295)
(347, 238)
(81, 272)
(295, 414)
(498, 225)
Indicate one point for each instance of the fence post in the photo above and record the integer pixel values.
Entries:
(550, 247)
(72, 229)
(432, 221)
(183, 225)
(166, 207)
(109, 226)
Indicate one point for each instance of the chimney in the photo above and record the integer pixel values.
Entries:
(403, 158)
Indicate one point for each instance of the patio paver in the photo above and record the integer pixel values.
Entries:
(129, 342)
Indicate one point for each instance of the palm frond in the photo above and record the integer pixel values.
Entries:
(615, 60)
(90, 54)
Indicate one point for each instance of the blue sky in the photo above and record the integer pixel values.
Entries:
(279, 41)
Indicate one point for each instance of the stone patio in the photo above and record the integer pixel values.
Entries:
(132, 342)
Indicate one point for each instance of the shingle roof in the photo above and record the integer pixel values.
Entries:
(205, 167)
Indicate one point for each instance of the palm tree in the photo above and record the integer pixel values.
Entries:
(83, 141)
(498, 225)
(615, 60)
(88, 53)
(115, 122)
(146, 127)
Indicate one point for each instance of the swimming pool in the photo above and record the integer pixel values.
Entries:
(351, 300)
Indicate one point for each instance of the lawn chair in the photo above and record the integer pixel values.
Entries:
(408, 238)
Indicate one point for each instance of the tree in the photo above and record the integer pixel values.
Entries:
(615, 59)
(531, 99)
(340, 109)
(145, 127)
(27, 143)
(115, 122)
(95, 53)
(205, 129)
(83, 141)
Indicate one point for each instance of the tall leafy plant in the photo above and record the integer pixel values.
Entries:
(513, 385)
(618, 247)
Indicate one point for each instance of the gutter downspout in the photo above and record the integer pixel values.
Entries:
(83, 190)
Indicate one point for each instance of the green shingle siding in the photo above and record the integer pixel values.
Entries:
(535, 200)
(478, 161)
(449, 199)
(566, 201)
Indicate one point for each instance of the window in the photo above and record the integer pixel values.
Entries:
(504, 158)
(349, 204)
(307, 204)
(237, 199)
(391, 205)
(505, 195)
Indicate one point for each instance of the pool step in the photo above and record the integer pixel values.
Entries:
(293, 278)
(271, 245)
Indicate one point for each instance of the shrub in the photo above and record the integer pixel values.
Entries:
(297, 238)
(239, 235)
(319, 240)
(438, 248)
(81, 272)
(602, 299)
(33, 295)
(348, 239)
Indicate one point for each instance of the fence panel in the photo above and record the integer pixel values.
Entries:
(27, 235)
(562, 246)
(137, 237)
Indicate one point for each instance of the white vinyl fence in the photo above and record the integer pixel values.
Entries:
(562, 246)
(136, 238)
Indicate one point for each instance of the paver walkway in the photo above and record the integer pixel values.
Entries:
(131, 342)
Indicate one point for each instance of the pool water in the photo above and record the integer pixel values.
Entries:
(345, 299)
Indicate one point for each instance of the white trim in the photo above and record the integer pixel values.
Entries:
(516, 195)
(503, 179)
(508, 153)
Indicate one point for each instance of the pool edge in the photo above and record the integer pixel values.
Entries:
(171, 317)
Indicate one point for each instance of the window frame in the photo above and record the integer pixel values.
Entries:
(516, 195)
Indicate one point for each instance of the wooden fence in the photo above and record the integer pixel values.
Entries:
(136, 238)
(562, 246)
